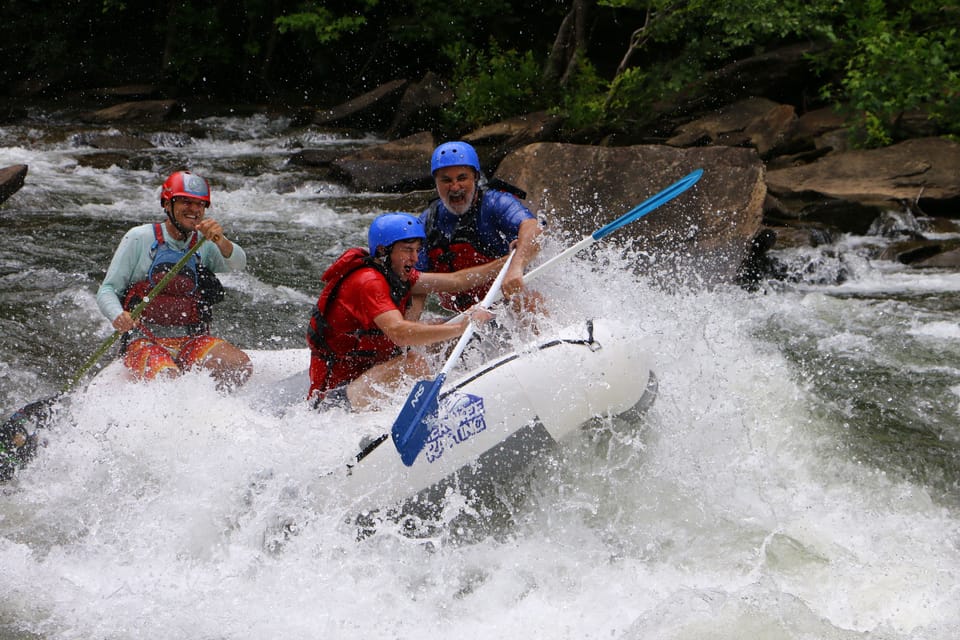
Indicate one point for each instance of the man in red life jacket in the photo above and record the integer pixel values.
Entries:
(369, 311)
(469, 225)
(174, 328)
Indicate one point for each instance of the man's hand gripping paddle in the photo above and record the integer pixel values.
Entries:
(412, 427)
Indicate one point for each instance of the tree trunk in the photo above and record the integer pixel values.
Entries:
(568, 46)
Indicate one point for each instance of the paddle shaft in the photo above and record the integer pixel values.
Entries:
(636, 213)
(488, 300)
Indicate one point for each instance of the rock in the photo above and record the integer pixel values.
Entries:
(11, 180)
(946, 260)
(104, 160)
(924, 171)
(919, 252)
(759, 265)
(755, 122)
(373, 110)
(420, 107)
(493, 142)
(801, 235)
(815, 124)
(938, 225)
(138, 111)
(315, 157)
(770, 130)
(700, 237)
(401, 165)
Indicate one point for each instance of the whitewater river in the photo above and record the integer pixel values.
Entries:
(798, 476)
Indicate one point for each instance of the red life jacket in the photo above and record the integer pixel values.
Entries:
(186, 300)
(340, 352)
(459, 252)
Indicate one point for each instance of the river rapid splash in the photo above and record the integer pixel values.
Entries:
(797, 476)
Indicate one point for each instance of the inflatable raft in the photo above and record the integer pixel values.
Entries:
(497, 417)
(491, 419)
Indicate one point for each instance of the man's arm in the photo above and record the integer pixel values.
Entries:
(528, 245)
(408, 333)
(415, 307)
(228, 255)
(432, 282)
(120, 274)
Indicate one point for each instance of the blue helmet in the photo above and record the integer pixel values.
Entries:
(388, 228)
(454, 154)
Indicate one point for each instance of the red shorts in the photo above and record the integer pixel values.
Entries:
(147, 359)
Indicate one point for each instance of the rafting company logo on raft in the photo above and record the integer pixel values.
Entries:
(461, 419)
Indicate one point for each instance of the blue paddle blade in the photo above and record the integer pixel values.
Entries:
(411, 428)
(650, 204)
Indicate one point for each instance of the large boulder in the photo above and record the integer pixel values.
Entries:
(921, 174)
(701, 237)
(11, 179)
(393, 167)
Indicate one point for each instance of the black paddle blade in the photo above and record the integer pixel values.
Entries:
(18, 435)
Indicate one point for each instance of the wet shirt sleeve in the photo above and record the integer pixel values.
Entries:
(214, 260)
(500, 218)
(130, 263)
(364, 296)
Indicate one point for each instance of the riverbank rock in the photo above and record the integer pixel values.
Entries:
(374, 110)
(850, 190)
(421, 107)
(700, 238)
(11, 179)
(135, 111)
(401, 165)
(755, 122)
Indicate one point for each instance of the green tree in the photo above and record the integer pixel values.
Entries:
(894, 59)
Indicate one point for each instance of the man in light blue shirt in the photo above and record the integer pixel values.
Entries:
(174, 327)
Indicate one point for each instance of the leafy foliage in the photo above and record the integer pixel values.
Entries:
(895, 63)
(326, 26)
(881, 61)
(493, 84)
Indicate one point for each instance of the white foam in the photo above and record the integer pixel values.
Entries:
(734, 509)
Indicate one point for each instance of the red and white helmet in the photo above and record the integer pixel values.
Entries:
(184, 183)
